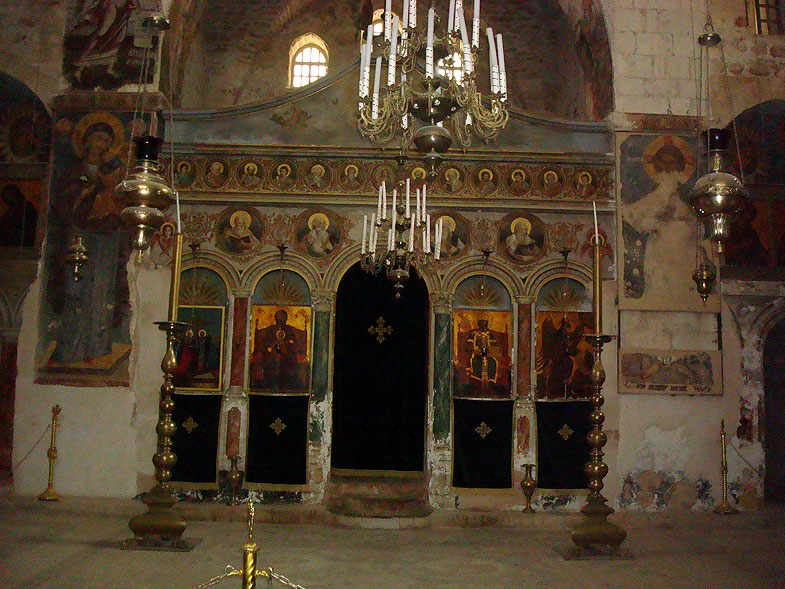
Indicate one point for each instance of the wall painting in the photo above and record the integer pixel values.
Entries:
(481, 355)
(280, 348)
(199, 351)
(670, 372)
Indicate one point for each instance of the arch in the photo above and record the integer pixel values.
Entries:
(308, 52)
(349, 256)
(272, 261)
(191, 296)
(215, 262)
(475, 266)
(548, 271)
(274, 274)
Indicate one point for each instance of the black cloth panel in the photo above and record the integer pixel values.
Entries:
(562, 448)
(380, 378)
(482, 455)
(277, 439)
(196, 440)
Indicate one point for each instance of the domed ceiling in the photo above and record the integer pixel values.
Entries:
(237, 53)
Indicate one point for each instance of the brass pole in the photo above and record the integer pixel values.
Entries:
(158, 527)
(595, 535)
(724, 507)
(250, 550)
(51, 454)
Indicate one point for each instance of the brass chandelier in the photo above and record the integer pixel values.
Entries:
(407, 239)
(413, 93)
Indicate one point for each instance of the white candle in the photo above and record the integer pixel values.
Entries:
(476, 25)
(379, 204)
(458, 7)
(494, 66)
(417, 217)
(424, 210)
(368, 51)
(596, 229)
(502, 71)
(413, 14)
(365, 232)
(394, 203)
(439, 229)
(451, 16)
(411, 238)
(393, 53)
(467, 52)
(384, 200)
(373, 233)
(376, 79)
(408, 201)
(428, 229)
(177, 206)
(429, 46)
(387, 15)
(392, 226)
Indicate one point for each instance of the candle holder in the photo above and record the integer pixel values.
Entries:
(234, 477)
(51, 454)
(595, 536)
(724, 507)
(158, 528)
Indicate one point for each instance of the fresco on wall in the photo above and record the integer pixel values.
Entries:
(522, 237)
(670, 372)
(239, 231)
(85, 325)
(99, 50)
(455, 233)
(280, 348)
(318, 232)
(659, 230)
(249, 175)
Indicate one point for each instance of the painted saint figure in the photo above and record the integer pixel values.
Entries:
(239, 238)
(318, 240)
(279, 361)
(520, 243)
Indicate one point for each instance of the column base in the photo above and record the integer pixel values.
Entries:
(595, 536)
(158, 528)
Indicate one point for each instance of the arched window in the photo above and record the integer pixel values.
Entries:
(308, 60)
(451, 67)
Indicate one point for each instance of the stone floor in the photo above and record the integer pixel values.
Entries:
(70, 544)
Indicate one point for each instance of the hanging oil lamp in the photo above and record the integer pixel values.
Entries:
(144, 194)
(76, 257)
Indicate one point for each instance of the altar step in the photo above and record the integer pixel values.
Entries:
(378, 496)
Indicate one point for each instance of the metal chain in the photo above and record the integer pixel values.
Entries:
(268, 572)
(18, 464)
(230, 571)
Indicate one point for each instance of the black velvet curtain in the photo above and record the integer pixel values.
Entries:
(562, 449)
(380, 376)
(482, 437)
(196, 440)
(277, 439)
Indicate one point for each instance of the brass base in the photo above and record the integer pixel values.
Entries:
(595, 534)
(157, 526)
(49, 495)
(726, 509)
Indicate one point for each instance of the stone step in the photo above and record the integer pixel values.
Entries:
(359, 506)
(379, 487)
(378, 496)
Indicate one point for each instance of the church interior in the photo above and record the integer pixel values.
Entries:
(568, 342)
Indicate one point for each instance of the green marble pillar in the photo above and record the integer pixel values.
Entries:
(442, 357)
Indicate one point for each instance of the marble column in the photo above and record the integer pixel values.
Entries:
(442, 363)
(239, 339)
(523, 353)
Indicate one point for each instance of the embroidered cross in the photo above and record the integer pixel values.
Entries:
(483, 430)
(190, 425)
(565, 432)
(278, 426)
(380, 329)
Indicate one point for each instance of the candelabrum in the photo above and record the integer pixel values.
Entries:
(387, 111)
(405, 235)
(595, 535)
(724, 507)
(50, 494)
(158, 528)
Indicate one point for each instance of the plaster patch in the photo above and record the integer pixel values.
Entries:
(663, 450)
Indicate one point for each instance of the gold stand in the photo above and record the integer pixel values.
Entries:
(595, 536)
(51, 454)
(724, 507)
(158, 528)
(250, 553)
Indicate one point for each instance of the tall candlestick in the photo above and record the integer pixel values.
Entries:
(174, 286)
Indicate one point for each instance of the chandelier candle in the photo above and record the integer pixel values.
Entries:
(429, 45)
(476, 25)
(393, 53)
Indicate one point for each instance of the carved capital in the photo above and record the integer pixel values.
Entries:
(441, 302)
(323, 300)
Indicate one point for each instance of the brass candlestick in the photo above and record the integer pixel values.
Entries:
(51, 454)
(595, 535)
(158, 528)
(250, 552)
(724, 507)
